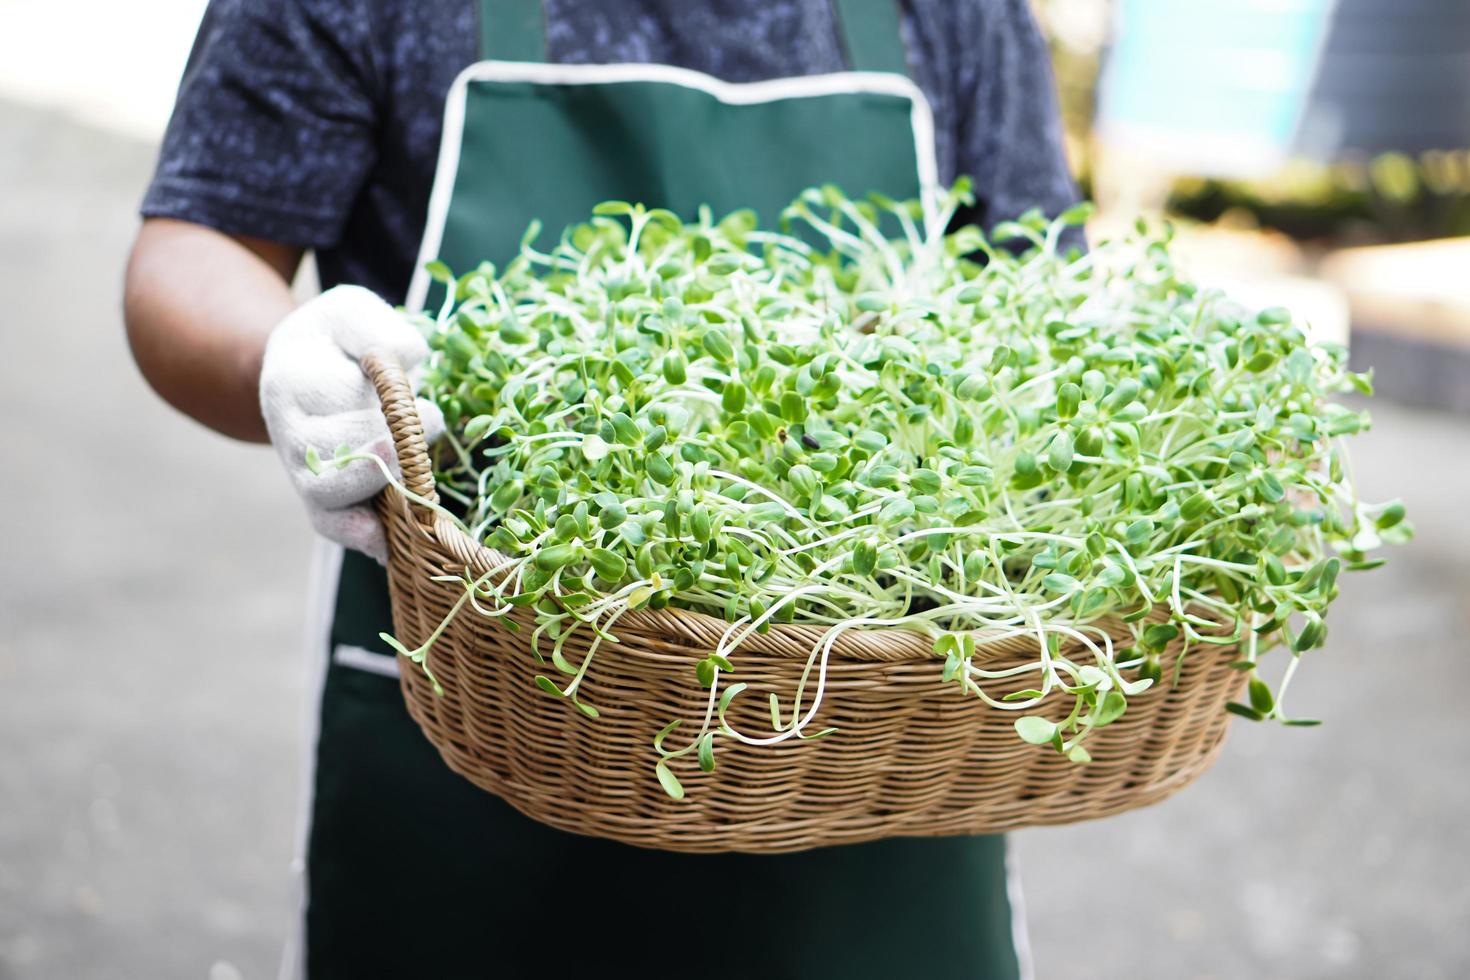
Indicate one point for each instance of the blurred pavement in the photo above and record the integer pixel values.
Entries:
(151, 613)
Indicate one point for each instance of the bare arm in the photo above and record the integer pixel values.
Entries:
(199, 305)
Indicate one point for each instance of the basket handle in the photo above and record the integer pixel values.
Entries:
(396, 395)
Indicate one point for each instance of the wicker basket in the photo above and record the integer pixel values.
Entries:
(911, 756)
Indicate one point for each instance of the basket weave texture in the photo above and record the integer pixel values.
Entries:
(911, 756)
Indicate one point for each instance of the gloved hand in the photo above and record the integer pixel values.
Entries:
(314, 395)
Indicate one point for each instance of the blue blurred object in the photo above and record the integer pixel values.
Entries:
(1213, 87)
(1231, 88)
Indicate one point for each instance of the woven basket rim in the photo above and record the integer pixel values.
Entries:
(794, 640)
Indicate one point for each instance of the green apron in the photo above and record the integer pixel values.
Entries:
(411, 871)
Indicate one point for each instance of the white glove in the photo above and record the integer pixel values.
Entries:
(314, 395)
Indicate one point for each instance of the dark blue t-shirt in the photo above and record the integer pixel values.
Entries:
(317, 122)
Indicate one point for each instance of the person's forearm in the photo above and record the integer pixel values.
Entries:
(199, 305)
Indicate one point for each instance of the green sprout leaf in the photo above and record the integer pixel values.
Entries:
(706, 753)
(669, 781)
(1035, 729)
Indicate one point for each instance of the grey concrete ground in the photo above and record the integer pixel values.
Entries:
(150, 685)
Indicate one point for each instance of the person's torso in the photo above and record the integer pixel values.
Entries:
(422, 47)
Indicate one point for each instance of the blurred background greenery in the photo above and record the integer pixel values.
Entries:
(1317, 151)
(1360, 197)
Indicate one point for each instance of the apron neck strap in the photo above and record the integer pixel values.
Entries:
(512, 30)
(870, 33)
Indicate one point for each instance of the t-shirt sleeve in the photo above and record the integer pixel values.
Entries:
(273, 133)
(1008, 132)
